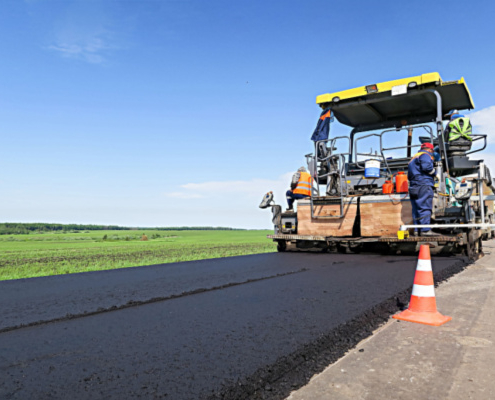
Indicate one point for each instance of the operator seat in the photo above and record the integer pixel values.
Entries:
(458, 160)
(458, 147)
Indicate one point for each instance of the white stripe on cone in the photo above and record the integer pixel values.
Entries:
(423, 291)
(424, 265)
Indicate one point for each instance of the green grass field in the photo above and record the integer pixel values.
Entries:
(25, 256)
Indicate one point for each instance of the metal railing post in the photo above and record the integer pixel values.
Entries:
(481, 176)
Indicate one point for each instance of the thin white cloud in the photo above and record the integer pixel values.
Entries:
(91, 50)
(84, 33)
(489, 159)
(484, 122)
(184, 195)
(235, 190)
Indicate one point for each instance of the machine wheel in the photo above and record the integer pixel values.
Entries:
(491, 233)
(479, 249)
(356, 249)
(475, 248)
(281, 246)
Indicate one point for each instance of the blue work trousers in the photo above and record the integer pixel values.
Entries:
(422, 204)
(291, 196)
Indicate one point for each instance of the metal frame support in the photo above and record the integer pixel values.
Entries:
(389, 124)
(409, 147)
(476, 137)
(482, 226)
(440, 129)
(481, 178)
(342, 177)
(316, 158)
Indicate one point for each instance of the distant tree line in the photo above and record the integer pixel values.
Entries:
(194, 228)
(9, 228)
(13, 228)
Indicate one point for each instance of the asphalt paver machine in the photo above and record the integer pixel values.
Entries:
(360, 193)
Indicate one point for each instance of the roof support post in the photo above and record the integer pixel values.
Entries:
(351, 145)
(441, 140)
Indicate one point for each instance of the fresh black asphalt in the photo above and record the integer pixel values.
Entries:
(240, 327)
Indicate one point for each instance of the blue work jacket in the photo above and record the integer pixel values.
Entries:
(421, 170)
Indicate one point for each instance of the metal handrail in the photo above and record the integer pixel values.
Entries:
(313, 216)
(325, 158)
(478, 137)
(357, 163)
(427, 128)
(341, 171)
(332, 143)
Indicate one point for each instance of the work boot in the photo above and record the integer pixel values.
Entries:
(430, 233)
(290, 209)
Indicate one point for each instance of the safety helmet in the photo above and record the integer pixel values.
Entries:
(451, 113)
(427, 146)
(302, 169)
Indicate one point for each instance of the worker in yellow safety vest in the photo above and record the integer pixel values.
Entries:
(301, 186)
(458, 128)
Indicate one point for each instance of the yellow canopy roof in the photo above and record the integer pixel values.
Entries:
(398, 102)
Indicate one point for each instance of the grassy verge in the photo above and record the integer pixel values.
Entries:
(25, 256)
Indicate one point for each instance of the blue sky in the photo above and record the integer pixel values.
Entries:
(169, 113)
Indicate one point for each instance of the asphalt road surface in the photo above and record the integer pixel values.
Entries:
(240, 327)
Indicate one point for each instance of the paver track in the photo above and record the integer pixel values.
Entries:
(240, 327)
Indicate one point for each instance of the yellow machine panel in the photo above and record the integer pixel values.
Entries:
(392, 103)
(423, 79)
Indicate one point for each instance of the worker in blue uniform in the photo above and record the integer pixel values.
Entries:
(421, 176)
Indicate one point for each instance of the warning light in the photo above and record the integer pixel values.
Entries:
(371, 89)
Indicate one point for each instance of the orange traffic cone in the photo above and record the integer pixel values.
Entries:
(423, 306)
